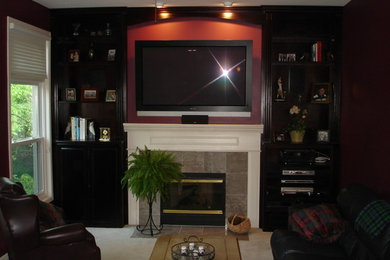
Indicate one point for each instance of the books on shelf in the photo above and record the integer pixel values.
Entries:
(316, 51)
(82, 129)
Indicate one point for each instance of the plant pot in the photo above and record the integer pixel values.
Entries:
(297, 136)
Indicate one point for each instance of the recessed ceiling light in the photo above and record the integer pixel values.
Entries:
(227, 15)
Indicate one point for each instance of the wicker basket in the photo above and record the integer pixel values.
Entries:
(239, 223)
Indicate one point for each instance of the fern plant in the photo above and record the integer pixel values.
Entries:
(151, 172)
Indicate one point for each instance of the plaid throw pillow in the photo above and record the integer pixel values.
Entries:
(321, 223)
(374, 217)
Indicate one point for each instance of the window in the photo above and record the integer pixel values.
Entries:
(29, 107)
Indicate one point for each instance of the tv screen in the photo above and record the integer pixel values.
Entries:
(193, 75)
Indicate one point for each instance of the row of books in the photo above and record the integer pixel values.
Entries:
(81, 129)
(316, 51)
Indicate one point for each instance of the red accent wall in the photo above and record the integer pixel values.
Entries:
(32, 13)
(195, 29)
(365, 127)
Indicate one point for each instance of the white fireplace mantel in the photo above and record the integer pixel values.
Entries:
(201, 138)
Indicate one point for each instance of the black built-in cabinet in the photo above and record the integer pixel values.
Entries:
(89, 53)
(290, 36)
(87, 173)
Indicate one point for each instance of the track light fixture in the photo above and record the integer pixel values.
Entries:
(159, 4)
(228, 3)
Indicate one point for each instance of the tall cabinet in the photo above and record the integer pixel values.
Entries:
(301, 60)
(89, 89)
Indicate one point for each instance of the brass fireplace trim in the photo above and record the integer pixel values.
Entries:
(200, 181)
(185, 211)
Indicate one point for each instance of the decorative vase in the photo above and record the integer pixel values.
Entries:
(297, 136)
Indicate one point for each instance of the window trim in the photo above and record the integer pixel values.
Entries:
(46, 188)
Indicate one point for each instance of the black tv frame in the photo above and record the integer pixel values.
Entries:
(139, 45)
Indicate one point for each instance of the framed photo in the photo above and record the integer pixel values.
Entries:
(291, 57)
(111, 95)
(323, 136)
(70, 94)
(282, 57)
(321, 93)
(111, 54)
(104, 134)
(89, 94)
(74, 55)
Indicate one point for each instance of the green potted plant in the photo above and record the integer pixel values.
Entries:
(297, 125)
(150, 173)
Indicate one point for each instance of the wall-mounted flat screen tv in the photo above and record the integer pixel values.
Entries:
(193, 75)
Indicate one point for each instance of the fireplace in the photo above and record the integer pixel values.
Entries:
(229, 139)
(198, 200)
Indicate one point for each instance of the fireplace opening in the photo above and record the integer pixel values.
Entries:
(198, 200)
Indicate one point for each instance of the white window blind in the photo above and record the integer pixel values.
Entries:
(27, 51)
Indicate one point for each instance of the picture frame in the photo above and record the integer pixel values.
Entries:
(282, 57)
(89, 94)
(70, 94)
(323, 136)
(291, 57)
(287, 57)
(74, 55)
(321, 92)
(111, 54)
(111, 95)
(104, 134)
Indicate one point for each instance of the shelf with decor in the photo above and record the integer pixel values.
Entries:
(302, 81)
(88, 86)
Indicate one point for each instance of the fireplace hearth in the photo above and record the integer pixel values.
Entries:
(198, 200)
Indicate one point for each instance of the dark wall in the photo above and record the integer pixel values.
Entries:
(32, 13)
(365, 130)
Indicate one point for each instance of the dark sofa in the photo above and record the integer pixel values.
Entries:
(357, 245)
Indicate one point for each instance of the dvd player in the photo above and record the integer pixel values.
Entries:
(296, 190)
(297, 181)
(299, 172)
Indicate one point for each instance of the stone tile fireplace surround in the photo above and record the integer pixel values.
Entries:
(231, 149)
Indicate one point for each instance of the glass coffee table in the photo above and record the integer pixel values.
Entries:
(226, 247)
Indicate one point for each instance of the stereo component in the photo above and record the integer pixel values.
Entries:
(297, 156)
(299, 172)
(194, 119)
(297, 181)
(296, 190)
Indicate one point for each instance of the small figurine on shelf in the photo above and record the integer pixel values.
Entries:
(91, 131)
(74, 55)
(108, 30)
(91, 52)
(280, 94)
(76, 27)
(67, 131)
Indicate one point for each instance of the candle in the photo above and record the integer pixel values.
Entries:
(183, 250)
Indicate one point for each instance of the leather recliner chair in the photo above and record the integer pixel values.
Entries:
(19, 223)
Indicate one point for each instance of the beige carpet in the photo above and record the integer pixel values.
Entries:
(126, 243)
